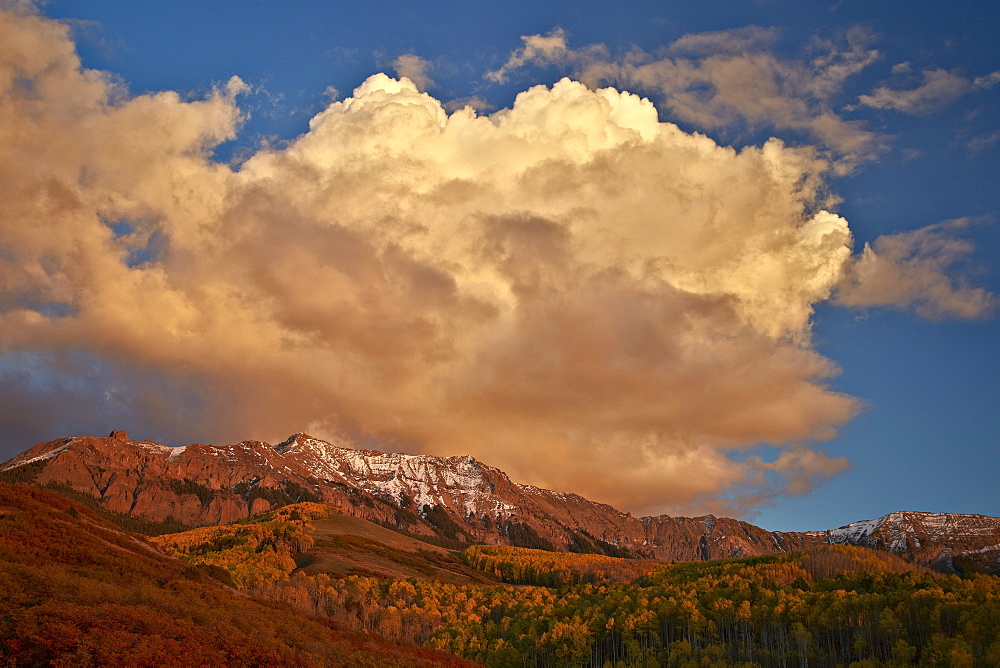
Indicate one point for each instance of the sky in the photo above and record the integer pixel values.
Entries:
(727, 257)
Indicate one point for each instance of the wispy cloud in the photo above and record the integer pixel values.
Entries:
(938, 88)
(726, 79)
(537, 49)
(414, 68)
(984, 142)
(914, 270)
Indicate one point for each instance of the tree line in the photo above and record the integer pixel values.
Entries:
(831, 605)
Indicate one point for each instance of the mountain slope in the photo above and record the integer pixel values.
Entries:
(451, 500)
(312, 538)
(79, 591)
(947, 541)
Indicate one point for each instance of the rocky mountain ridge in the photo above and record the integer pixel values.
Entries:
(945, 541)
(450, 499)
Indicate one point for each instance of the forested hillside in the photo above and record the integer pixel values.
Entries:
(826, 605)
(77, 591)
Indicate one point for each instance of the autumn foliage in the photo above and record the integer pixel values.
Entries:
(80, 592)
(830, 605)
(260, 550)
(77, 591)
(553, 569)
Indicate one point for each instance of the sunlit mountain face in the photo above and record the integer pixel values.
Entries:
(452, 502)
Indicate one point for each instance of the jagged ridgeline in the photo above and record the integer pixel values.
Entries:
(63, 568)
(826, 605)
(452, 502)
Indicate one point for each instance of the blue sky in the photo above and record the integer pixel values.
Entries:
(900, 107)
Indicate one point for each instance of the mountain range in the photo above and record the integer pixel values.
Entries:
(453, 501)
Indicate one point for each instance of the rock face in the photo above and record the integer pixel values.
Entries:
(452, 498)
(945, 541)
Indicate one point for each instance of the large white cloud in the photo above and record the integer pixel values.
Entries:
(569, 289)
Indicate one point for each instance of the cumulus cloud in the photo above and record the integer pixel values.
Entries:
(914, 270)
(414, 68)
(733, 78)
(569, 289)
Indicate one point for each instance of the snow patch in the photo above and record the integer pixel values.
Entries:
(48, 455)
(855, 532)
(459, 482)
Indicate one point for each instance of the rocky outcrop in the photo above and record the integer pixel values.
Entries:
(948, 542)
(457, 499)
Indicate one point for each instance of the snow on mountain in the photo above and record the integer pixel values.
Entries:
(855, 532)
(425, 480)
(920, 533)
(458, 498)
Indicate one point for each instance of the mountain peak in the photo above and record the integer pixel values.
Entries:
(292, 442)
(302, 440)
(456, 498)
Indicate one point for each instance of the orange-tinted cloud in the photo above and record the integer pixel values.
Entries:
(414, 68)
(568, 289)
(914, 270)
(938, 88)
(717, 80)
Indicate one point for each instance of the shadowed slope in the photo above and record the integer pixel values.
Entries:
(77, 590)
(346, 545)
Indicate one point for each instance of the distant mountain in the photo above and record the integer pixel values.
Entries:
(945, 541)
(451, 500)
